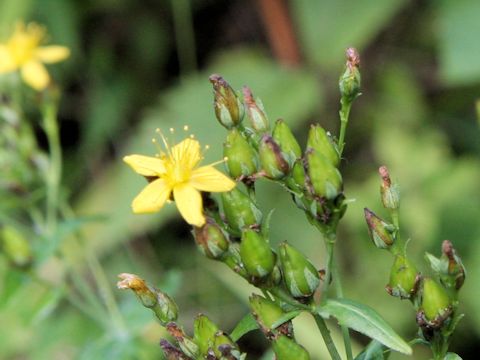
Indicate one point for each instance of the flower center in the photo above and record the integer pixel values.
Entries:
(24, 42)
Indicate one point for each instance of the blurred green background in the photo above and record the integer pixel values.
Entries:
(138, 65)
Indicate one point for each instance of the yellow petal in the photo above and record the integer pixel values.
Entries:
(52, 54)
(35, 75)
(207, 178)
(189, 203)
(145, 165)
(7, 62)
(152, 197)
(187, 153)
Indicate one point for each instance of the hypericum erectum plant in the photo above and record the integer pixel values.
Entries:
(232, 229)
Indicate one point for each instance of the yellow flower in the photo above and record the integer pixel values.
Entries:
(176, 171)
(22, 51)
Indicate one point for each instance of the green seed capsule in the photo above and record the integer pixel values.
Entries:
(325, 179)
(289, 146)
(16, 247)
(256, 112)
(403, 278)
(241, 158)
(322, 142)
(266, 312)
(300, 276)
(435, 300)
(211, 240)
(229, 110)
(381, 233)
(166, 309)
(256, 254)
(240, 211)
(204, 333)
(287, 349)
(273, 163)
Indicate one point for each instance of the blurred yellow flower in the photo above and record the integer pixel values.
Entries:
(22, 51)
(176, 171)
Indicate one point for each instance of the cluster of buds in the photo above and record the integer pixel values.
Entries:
(208, 342)
(254, 150)
(434, 298)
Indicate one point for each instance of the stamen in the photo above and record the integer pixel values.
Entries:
(172, 130)
(192, 136)
(185, 128)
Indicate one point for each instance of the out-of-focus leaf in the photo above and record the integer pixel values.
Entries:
(45, 249)
(290, 94)
(364, 319)
(11, 11)
(328, 27)
(458, 43)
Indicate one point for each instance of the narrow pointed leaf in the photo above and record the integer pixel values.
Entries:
(245, 325)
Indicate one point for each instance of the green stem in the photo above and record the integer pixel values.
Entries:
(101, 280)
(331, 273)
(344, 114)
(184, 35)
(345, 331)
(327, 338)
(50, 126)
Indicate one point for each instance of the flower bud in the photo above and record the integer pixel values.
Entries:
(256, 254)
(298, 174)
(160, 303)
(233, 261)
(256, 112)
(389, 192)
(187, 345)
(224, 347)
(287, 349)
(324, 178)
(435, 301)
(211, 240)
(381, 233)
(449, 268)
(240, 211)
(16, 247)
(289, 146)
(204, 333)
(403, 278)
(241, 158)
(268, 314)
(455, 270)
(229, 109)
(322, 142)
(350, 79)
(301, 277)
(273, 163)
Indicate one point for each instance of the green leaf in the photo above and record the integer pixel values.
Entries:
(328, 27)
(365, 320)
(373, 351)
(245, 325)
(459, 48)
(285, 317)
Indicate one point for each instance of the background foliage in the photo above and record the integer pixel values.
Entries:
(136, 66)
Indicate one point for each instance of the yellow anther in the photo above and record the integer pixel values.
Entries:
(185, 128)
